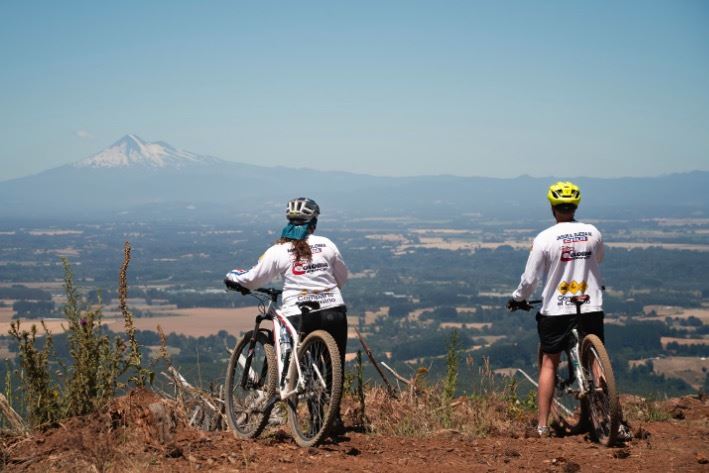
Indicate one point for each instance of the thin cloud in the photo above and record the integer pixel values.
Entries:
(83, 134)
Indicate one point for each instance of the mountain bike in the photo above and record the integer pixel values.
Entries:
(272, 365)
(585, 399)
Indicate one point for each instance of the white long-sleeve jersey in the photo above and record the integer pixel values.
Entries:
(318, 280)
(569, 254)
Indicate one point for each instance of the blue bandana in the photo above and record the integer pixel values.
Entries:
(295, 232)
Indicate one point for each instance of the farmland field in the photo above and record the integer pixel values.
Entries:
(690, 369)
(198, 321)
(195, 322)
(683, 341)
(663, 311)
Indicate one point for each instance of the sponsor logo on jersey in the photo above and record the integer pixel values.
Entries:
(566, 300)
(572, 287)
(321, 298)
(314, 248)
(568, 253)
(574, 237)
(299, 268)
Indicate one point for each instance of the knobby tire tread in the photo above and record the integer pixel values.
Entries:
(614, 408)
(335, 396)
(272, 382)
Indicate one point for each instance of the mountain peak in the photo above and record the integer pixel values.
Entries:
(133, 151)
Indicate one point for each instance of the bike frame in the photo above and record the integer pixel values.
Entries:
(287, 388)
(575, 360)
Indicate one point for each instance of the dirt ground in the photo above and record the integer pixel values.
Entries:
(125, 439)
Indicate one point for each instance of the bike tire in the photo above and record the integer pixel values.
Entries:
(604, 405)
(247, 410)
(312, 411)
(569, 424)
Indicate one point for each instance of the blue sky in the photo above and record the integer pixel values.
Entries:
(563, 88)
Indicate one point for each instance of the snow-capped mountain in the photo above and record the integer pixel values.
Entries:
(154, 180)
(132, 151)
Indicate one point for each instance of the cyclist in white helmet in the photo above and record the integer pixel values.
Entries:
(568, 254)
(312, 269)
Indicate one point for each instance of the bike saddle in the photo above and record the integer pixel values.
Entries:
(308, 306)
(582, 299)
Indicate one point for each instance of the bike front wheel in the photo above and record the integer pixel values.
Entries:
(314, 407)
(604, 405)
(251, 381)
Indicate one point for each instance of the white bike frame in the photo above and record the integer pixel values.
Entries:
(288, 387)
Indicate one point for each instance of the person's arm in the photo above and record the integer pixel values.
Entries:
(533, 272)
(262, 273)
(339, 268)
(600, 249)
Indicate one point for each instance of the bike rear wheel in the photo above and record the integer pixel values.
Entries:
(567, 408)
(604, 405)
(247, 398)
(312, 410)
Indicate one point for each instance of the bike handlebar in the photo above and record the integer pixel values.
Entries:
(271, 292)
(513, 305)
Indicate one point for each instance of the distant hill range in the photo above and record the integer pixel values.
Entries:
(138, 179)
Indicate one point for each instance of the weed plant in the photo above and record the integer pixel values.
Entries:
(100, 365)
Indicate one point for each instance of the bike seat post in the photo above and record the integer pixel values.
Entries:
(579, 301)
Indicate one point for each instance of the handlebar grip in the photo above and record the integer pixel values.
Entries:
(235, 286)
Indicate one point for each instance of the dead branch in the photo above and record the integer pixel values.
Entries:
(15, 420)
(390, 389)
(206, 410)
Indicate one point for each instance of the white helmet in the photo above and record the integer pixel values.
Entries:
(302, 210)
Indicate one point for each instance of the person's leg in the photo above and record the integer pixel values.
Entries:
(334, 321)
(545, 391)
(553, 340)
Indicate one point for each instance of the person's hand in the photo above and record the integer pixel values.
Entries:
(235, 286)
(513, 305)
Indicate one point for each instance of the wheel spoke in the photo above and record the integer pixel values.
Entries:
(246, 405)
(311, 411)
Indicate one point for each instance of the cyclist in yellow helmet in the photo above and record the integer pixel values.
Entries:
(567, 256)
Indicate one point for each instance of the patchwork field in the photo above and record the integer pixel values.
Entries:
(6, 314)
(197, 322)
(689, 369)
(663, 311)
(683, 341)
(664, 246)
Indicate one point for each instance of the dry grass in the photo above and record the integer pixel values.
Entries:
(422, 414)
(639, 410)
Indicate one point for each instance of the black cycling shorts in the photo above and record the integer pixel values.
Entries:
(333, 321)
(555, 330)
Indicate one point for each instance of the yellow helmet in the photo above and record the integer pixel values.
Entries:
(564, 193)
